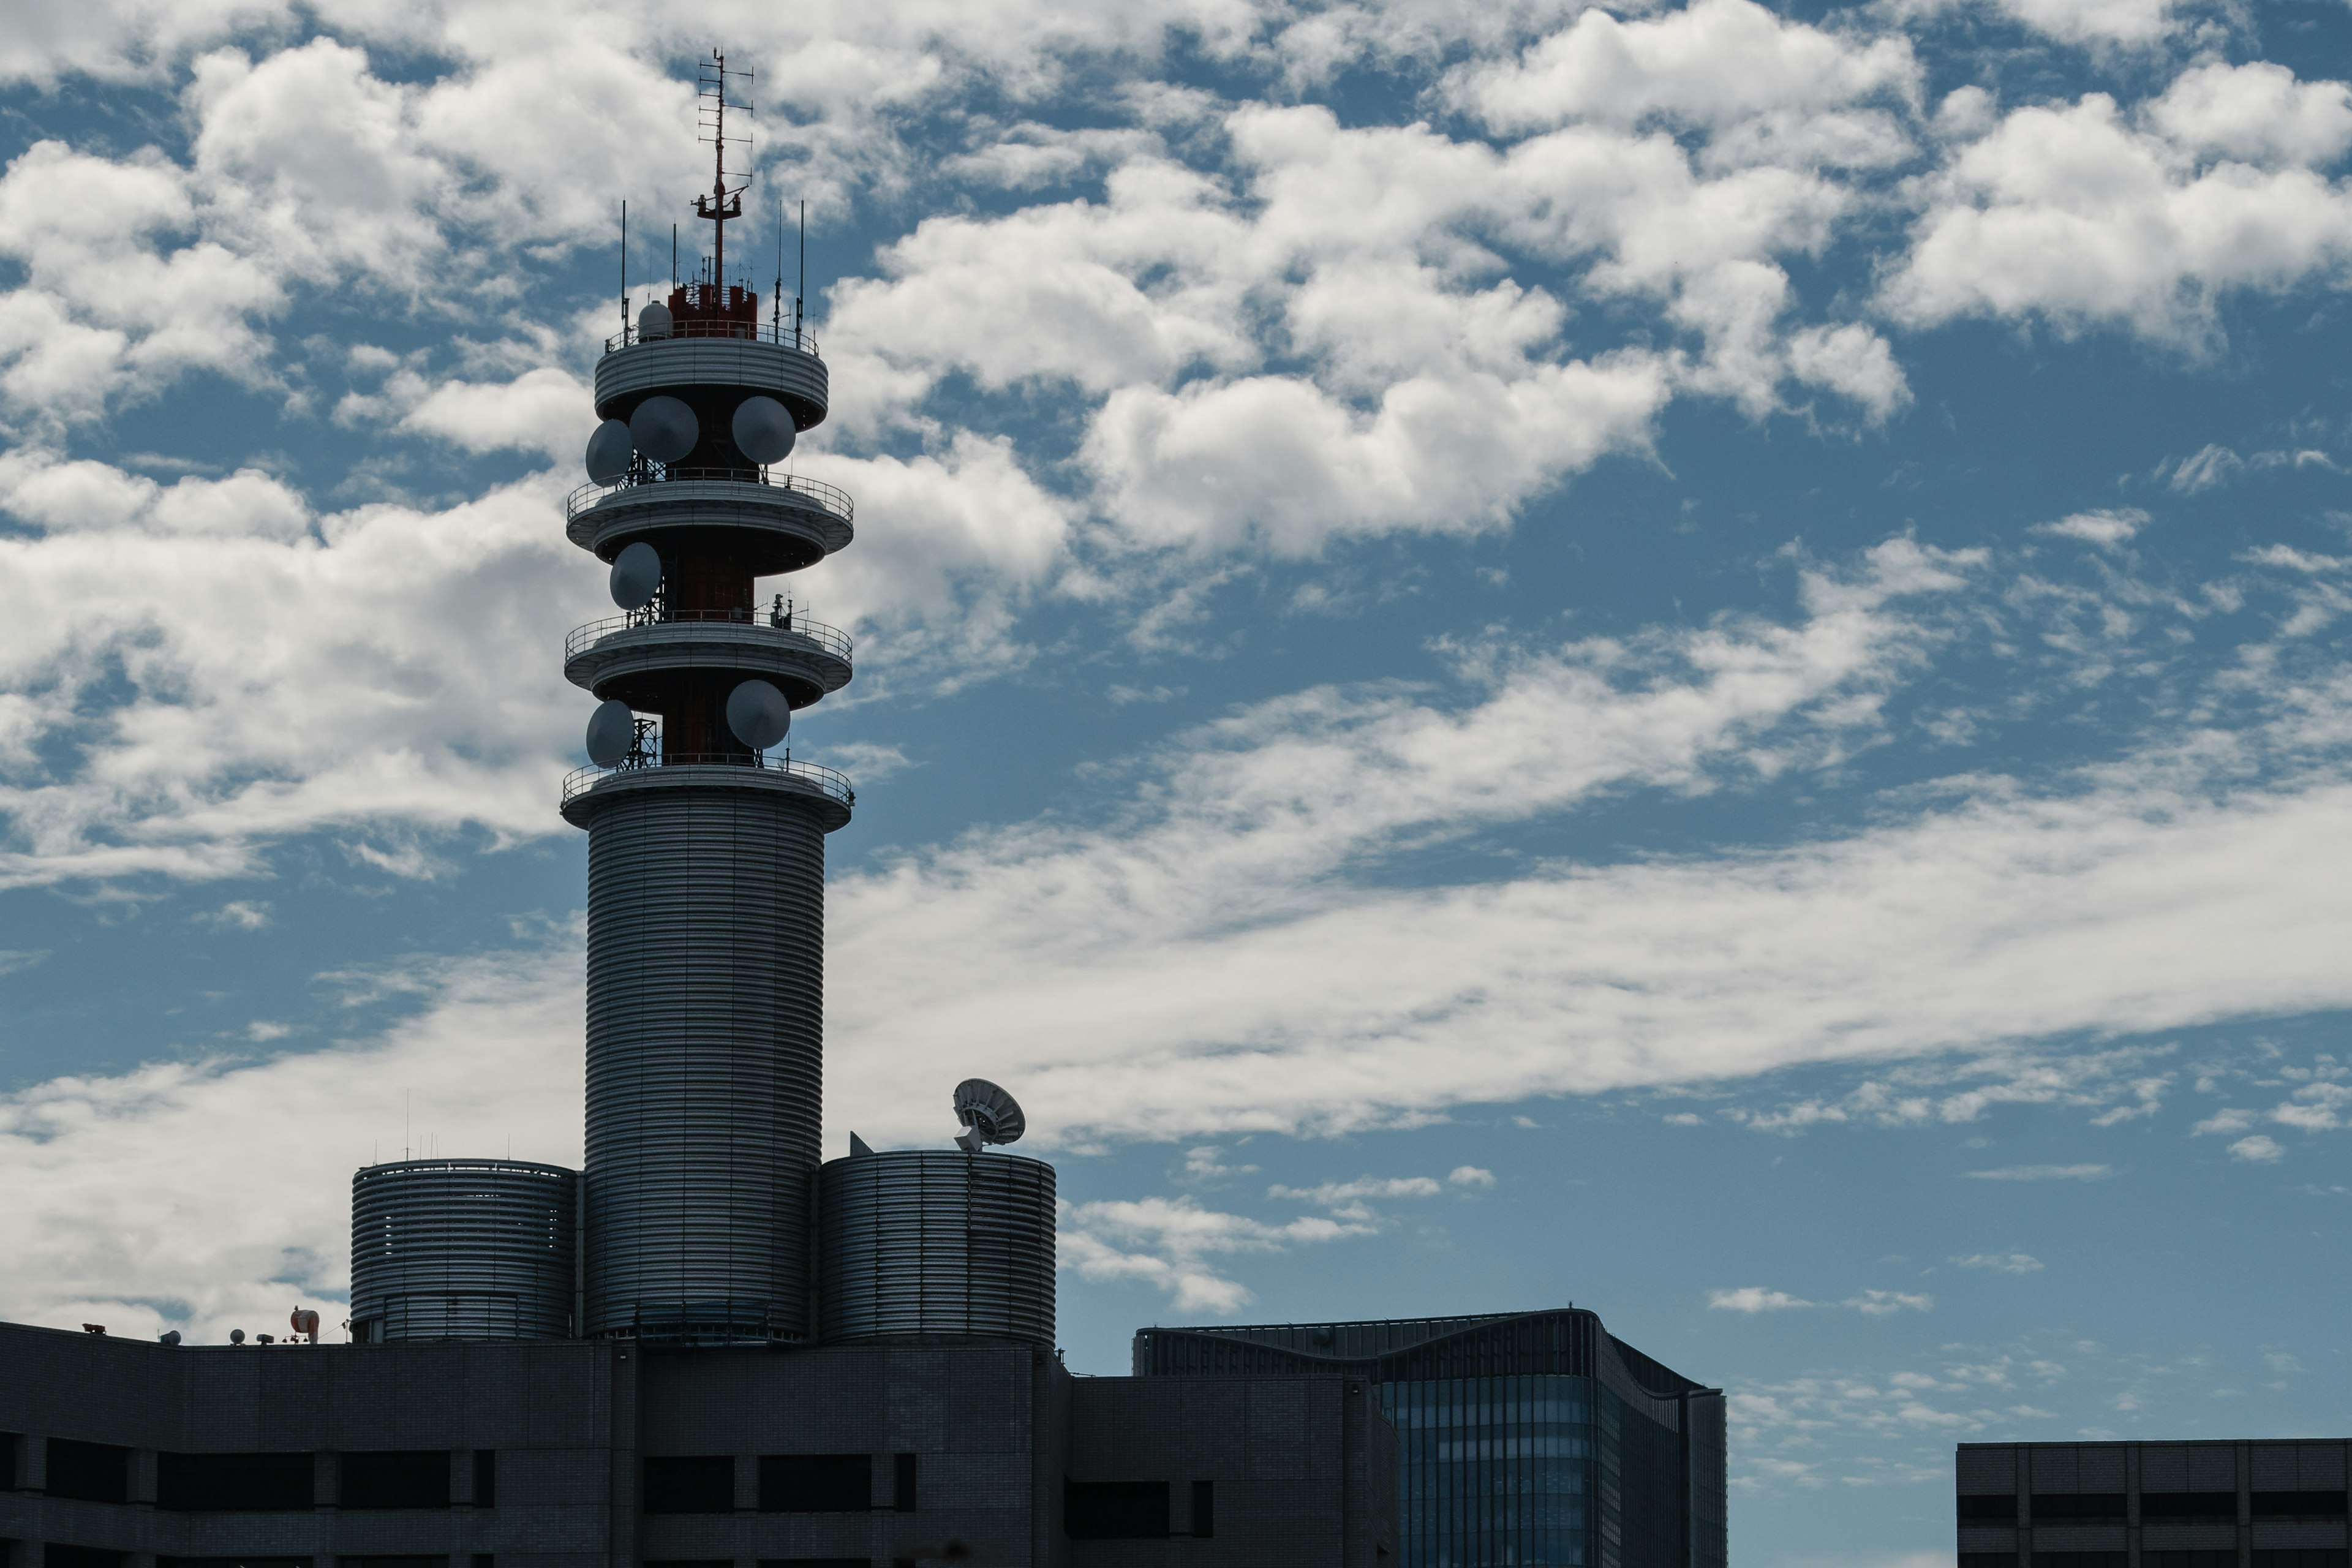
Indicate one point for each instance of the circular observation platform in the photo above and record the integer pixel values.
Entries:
(782, 522)
(783, 366)
(622, 656)
(589, 790)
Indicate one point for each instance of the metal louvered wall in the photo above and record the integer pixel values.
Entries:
(938, 1244)
(706, 999)
(462, 1250)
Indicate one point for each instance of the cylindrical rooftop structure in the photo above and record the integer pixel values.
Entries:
(937, 1244)
(462, 1250)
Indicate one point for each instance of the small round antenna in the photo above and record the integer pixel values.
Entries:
(663, 428)
(611, 732)
(652, 321)
(763, 430)
(988, 1115)
(759, 714)
(636, 576)
(609, 451)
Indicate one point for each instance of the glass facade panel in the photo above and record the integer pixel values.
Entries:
(1495, 1472)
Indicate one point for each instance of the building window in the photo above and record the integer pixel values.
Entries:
(699, 1485)
(902, 1482)
(2301, 1557)
(2081, 1559)
(1988, 1559)
(1994, 1508)
(2154, 1506)
(233, 1483)
(1204, 1509)
(1115, 1511)
(415, 1477)
(2078, 1507)
(815, 1483)
(2298, 1505)
(391, 1562)
(8, 1445)
(91, 1472)
(80, 1556)
(485, 1481)
(2227, 1557)
(235, 1563)
(812, 1562)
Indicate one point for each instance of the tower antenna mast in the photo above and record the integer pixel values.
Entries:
(724, 201)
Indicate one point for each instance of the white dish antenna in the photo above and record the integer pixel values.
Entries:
(611, 732)
(763, 430)
(663, 429)
(988, 1115)
(652, 321)
(609, 450)
(636, 576)
(759, 714)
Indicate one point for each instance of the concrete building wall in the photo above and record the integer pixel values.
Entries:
(971, 1447)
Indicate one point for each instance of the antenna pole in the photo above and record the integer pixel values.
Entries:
(776, 312)
(800, 284)
(673, 259)
(625, 269)
(718, 178)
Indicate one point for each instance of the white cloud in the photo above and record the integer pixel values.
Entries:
(2067, 213)
(2257, 112)
(2108, 528)
(239, 914)
(1753, 1299)
(1887, 1303)
(2257, 1150)
(1332, 1194)
(1173, 1245)
(2044, 1174)
(2224, 1121)
(2209, 466)
(1470, 1176)
(2002, 1262)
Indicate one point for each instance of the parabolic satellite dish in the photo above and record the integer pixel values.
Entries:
(612, 732)
(663, 429)
(609, 450)
(636, 576)
(759, 714)
(989, 1114)
(763, 430)
(652, 321)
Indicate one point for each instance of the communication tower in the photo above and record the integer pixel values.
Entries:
(706, 841)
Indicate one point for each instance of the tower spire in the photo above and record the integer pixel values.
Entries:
(724, 201)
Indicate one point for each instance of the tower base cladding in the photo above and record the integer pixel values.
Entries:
(706, 929)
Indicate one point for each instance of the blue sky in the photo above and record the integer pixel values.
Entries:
(1685, 658)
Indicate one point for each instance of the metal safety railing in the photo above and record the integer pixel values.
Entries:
(786, 623)
(785, 334)
(827, 498)
(833, 785)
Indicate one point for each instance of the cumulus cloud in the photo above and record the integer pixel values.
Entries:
(2071, 214)
(1752, 1298)
(2110, 527)
(2259, 1150)
(2044, 1174)
(2002, 1262)
(1176, 1246)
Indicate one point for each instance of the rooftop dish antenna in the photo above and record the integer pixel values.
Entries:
(988, 1115)
(724, 201)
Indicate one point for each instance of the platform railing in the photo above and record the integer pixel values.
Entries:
(829, 498)
(787, 623)
(836, 785)
(788, 334)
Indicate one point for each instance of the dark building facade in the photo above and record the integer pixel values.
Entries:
(1524, 1438)
(2257, 1504)
(607, 1453)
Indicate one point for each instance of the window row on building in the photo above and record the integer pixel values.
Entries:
(2226, 1557)
(2111, 1507)
(256, 1483)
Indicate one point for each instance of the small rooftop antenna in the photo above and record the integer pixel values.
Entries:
(625, 269)
(724, 201)
(988, 1115)
(800, 284)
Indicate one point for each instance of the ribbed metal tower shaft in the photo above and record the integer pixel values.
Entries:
(706, 1000)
